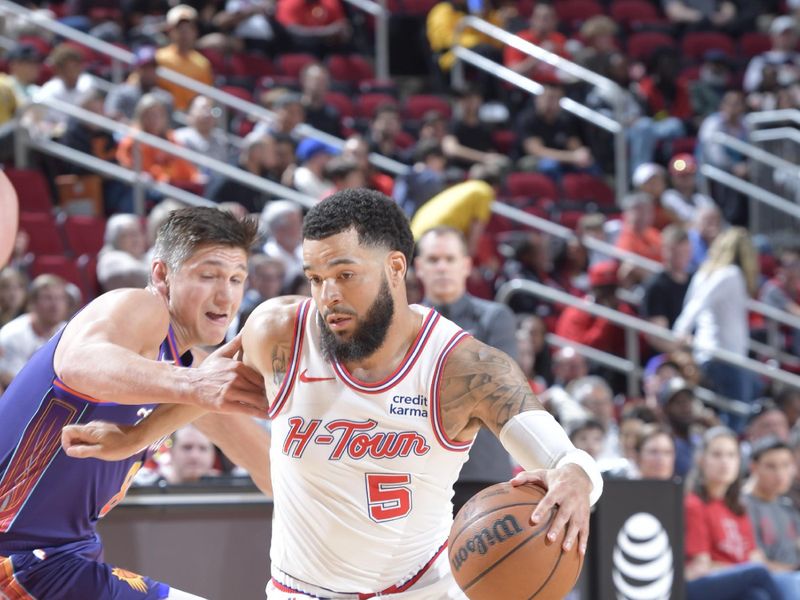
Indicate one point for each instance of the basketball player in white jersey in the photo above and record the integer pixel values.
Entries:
(374, 406)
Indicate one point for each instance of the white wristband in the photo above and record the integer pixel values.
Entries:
(537, 441)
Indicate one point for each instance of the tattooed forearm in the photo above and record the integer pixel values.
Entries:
(482, 384)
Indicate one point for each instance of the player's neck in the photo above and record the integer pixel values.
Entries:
(384, 361)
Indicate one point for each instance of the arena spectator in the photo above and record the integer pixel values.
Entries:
(722, 558)
(265, 280)
(568, 366)
(542, 32)
(706, 92)
(283, 220)
(788, 401)
(357, 148)
(121, 263)
(343, 173)
(191, 457)
(384, 130)
(599, 34)
(705, 228)
(766, 421)
(18, 86)
(533, 355)
(24, 335)
(664, 291)
(203, 133)
(529, 260)
(253, 22)
(776, 523)
(794, 444)
(698, 13)
(309, 176)
(68, 84)
(783, 56)
(465, 206)
(638, 234)
(654, 452)
(315, 82)
(658, 370)
(13, 294)
(181, 56)
(651, 178)
(665, 93)
(588, 435)
(716, 310)
(289, 113)
(122, 98)
(596, 398)
(424, 180)
(682, 412)
(151, 117)
(443, 266)
(683, 200)
(553, 137)
(469, 140)
(783, 290)
(590, 330)
(253, 158)
(316, 26)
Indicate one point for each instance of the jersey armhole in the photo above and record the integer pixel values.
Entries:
(291, 371)
(436, 384)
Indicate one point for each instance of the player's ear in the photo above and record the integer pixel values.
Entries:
(397, 267)
(158, 277)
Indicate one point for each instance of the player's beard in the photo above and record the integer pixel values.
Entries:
(368, 336)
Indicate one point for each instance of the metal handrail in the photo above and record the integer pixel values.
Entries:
(381, 14)
(638, 325)
(120, 57)
(755, 153)
(773, 116)
(749, 189)
(778, 134)
(607, 85)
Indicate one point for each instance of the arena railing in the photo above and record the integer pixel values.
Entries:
(24, 139)
(613, 126)
(761, 117)
(381, 14)
(121, 59)
(774, 317)
(634, 326)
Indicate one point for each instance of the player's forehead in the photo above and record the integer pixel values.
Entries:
(217, 255)
(340, 248)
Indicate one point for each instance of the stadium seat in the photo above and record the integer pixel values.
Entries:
(753, 43)
(417, 105)
(530, 186)
(43, 233)
(575, 12)
(219, 63)
(696, 43)
(366, 104)
(631, 13)
(641, 45)
(504, 140)
(84, 234)
(292, 64)
(32, 189)
(587, 188)
(342, 103)
(64, 267)
(245, 64)
(88, 266)
(237, 91)
(349, 68)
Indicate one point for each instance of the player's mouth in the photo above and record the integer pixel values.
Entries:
(337, 322)
(217, 318)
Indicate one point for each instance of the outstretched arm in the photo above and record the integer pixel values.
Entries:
(484, 386)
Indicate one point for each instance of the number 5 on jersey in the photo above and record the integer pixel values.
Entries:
(388, 496)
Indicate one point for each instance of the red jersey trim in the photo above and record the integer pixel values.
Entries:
(436, 384)
(291, 372)
(409, 360)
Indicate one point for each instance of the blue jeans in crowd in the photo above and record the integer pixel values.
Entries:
(740, 582)
(732, 382)
(646, 133)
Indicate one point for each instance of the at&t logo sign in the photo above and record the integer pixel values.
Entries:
(642, 559)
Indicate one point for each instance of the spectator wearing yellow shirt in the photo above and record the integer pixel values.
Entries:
(181, 56)
(17, 86)
(465, 206)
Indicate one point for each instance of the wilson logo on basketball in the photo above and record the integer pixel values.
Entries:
(352, 438)
(501, 530)
(643, 568)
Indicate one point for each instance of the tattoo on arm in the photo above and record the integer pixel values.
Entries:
(486, 384)
(280, 360)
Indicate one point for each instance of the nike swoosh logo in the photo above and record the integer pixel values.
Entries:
(306, 379)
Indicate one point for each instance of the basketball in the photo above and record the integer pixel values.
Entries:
(495, 551)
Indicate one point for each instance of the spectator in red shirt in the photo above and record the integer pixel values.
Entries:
(665, 94)
(317, 26)
(638, 234)
(580, 326)
(722, 559)
(542, 32)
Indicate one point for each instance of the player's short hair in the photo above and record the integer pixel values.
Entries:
(377, 219)
(186, 230)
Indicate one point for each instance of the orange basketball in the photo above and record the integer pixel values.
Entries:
(495, 551)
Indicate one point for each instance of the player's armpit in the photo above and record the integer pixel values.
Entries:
(482, 385)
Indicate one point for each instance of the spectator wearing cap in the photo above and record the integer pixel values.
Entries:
(18, 86)
(122, 99)
(203, 133)
(315, 82)
(424, 180)
(543, 32)
(783, 56)
(776, 522)
(638, 234)
(180, 56)
(316, 26)
(469, 140)
(783, 290)
(309, 176)
(357, 148)
(651, 178)
(682, 413)
(716, 310)
(665, 291)
(715, 77)
(682, 199)
(68, 84)
(590, 330)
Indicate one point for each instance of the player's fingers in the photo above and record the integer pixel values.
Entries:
(537, 476)
(251, 376)
(583, 537)
(230, 349)
(559, 523)
(245, 409)
(571, 535)
(543, 509)
(83, 451)
(246, 394)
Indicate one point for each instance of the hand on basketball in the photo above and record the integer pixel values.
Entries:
(98, 439)
(568, 489)
(224, 384)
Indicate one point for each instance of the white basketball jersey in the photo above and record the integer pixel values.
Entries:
(363, 472)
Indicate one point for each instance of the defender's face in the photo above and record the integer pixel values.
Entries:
(204, 294)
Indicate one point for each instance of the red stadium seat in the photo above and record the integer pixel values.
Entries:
(630, 13)
(219, 63)
(32, 189)
(418, 104)
(88, 266)
(504, 140)
(696, 43)
(251, 65)
(641, 45)
(350, 68)
(292, 64)
(43, 233)
(531, 186)
(342, 103)
(575, 12)
(367, 104)
(238, 91)
(587, 188)
(753, 43)
(84, 234)
(64, 267)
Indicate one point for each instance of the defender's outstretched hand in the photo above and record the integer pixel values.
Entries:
(98, 439)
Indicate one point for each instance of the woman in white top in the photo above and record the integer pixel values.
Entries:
(715, 307)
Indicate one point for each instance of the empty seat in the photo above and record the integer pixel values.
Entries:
(84, 234)
(643, 44)
(587, 188)
(417, 105)
(32, 189)
(43, 233)
(531, 186)
(696, 43)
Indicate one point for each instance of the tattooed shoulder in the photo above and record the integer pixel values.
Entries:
(281, 353)
(482, 385)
